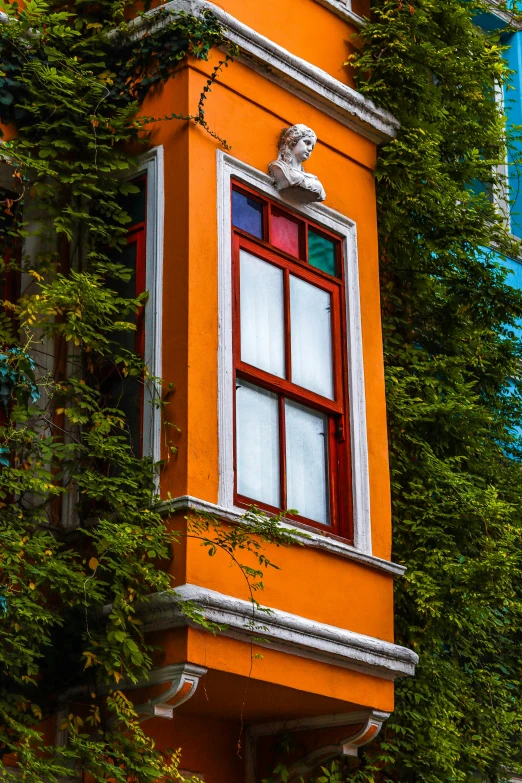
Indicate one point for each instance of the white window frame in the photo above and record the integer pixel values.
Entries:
(151, 163)
(228, 168)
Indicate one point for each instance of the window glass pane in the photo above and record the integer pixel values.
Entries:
(135, 203)
(321, 252)
(126, 289)
(257, 444)
(247, 214)
(262, 315)
(311, 337)
(307, 462)
(117, 390)
(284, 233)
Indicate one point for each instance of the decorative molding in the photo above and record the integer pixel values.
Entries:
(279, 630)
(304, 535)
(288, 175)
(344, 11)
(228, 167)
(184, 679)
(152, 163)
(503, 14)
(294, 74)
(369, 721)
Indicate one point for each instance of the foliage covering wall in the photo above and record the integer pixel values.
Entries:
(452, 375)
(81, 524)
(452, 368)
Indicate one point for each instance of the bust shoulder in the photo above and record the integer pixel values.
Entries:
(285, 175)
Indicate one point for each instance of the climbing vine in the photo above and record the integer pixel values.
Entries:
(452, 354)
(81, 524)
(452, 361)
(452, 358)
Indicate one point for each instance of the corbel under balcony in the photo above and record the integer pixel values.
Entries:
(183, 679)
(279, 630)
(355, 728)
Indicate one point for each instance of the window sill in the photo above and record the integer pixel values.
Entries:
(305, 535)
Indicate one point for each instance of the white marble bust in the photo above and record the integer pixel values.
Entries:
(295, 146)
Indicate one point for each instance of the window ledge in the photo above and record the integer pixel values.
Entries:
(303, 534)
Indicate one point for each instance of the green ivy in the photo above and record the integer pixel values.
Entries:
(452, 363)
(71, 82)
(453, 394)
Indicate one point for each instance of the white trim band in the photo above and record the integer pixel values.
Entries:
(343, 9)
(152, 163)
(279, 630)
(294, 74)
(304, 535)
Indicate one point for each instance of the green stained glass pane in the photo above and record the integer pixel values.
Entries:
(322, 253)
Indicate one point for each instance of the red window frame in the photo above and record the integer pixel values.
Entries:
(337, 410)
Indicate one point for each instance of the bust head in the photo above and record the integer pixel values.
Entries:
(296, 145)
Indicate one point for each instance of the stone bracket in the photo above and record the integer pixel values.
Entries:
(184, 679)
(370, 722)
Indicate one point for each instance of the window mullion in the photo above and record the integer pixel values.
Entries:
(288, 346)
(282, 451)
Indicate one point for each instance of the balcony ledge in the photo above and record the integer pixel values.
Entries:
(279, 630)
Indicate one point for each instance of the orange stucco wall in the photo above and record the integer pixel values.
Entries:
(306, 29)
(343, 161)
(250, 111)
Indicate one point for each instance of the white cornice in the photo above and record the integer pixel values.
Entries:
(503, 14)
(306, 536)
(296, 75)
(278, 630)
(342, 9)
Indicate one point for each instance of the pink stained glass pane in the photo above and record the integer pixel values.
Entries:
(285, 233)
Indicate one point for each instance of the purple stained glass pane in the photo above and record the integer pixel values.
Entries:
(247, 214)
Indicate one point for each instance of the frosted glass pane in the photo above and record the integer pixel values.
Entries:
(307, 462)
(311, 337)
(257, 444)
(262, 315)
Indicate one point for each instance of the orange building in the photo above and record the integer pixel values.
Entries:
(264, 314)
